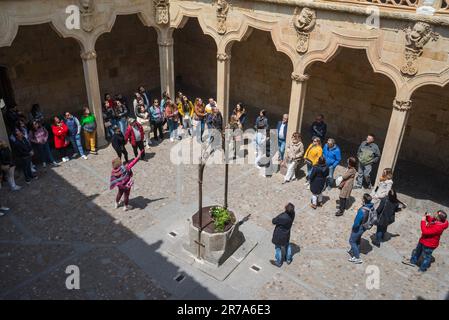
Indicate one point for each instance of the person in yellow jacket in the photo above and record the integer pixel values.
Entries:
(312, 155)
(186, 109)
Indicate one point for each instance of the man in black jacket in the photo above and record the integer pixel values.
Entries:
(319, 128)
(281, 235)
(24, 152)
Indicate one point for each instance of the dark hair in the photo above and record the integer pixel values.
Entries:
(392, 196)
(367, 198)
(263, 112)
(321, 160)
(352, 162)
(106, 94)
(442, 215)
(35, 107)
(290, 208)
(372, 135)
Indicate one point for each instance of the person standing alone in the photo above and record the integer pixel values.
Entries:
(281, 235)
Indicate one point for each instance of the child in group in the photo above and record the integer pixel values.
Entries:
(121, 178)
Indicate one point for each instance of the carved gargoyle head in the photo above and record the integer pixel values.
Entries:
(222, 7)
(86, 5)
(417, 37)
(305, 19)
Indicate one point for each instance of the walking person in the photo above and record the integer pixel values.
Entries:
(39, 138)
(319, 128)
(346, 185)
(281, 129)
(294, 156)
(332, 154)
(61, 140)
(318, 176)
(312, 155)
(118, 143)
(74, 135)
(157, 120)
(432, 227)
(121, 177)
(368, 154)
(135, 135)
(281, 235)
(358, 229)
(7, 166)
(386, 211)
(89, 125)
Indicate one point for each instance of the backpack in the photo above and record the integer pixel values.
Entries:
(370, 217)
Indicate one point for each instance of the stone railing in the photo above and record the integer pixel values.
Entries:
(440, 6)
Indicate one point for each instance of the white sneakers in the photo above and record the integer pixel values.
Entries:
(65, 159)
(126, 208)
(355, 260)
(16, 188)
(84, 157)
(44, 165)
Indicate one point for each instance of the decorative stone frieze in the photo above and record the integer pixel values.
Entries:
(87, 15)
(415, 40)
(222, 14)
(300, 77)
(304, 21)
(162, 11)
(402, 105)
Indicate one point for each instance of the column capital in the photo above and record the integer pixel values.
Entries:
(166, 42)
(89, 55)
(402, 105)
(223, 57)
(300, 77)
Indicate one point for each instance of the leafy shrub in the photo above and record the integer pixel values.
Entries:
(221, 218)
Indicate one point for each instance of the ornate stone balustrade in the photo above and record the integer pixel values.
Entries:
(440, 6)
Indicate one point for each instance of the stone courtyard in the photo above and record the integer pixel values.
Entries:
(67, 217)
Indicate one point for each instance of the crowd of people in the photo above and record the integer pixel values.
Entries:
(143, 122)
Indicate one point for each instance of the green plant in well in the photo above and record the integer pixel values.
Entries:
(221, 217)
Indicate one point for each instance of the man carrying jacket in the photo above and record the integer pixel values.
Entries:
(432, 227)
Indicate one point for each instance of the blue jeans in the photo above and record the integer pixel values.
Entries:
(364, 173)
(45, 153)
(380, 232)
(427, 256)
(76, 144)
(278, 254)
(309, 170)
(281, 145)
(330, 177)
(354, 241)
(122, 123)
(172, 126)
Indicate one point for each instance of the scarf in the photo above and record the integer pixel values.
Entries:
(121, 178)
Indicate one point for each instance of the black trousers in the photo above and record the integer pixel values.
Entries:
(342, 204)
(121, 151)
(139, 145)
(158, 126)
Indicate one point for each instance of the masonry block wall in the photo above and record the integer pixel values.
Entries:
(260, 76)
(353, 99)
(45, 69)
(195, 60)
(128, 57)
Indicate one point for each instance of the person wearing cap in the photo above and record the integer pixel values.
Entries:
(118, 143)
(135, 135)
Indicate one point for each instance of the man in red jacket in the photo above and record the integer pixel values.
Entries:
(432, 226)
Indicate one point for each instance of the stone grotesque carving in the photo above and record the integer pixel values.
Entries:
(402, 105)
(304, 21)
(415, 40)
(87, 15)
(162, 11)
(222, 15)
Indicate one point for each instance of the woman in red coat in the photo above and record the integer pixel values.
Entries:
(60, 132)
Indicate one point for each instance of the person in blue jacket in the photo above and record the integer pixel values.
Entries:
(358, 229)
(332, 154)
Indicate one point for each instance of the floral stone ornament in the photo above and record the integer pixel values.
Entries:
(304, 21)
(162, 11)
(415, 40)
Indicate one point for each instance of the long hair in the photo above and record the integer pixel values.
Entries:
(387, 174)
(290, 208)
(392, 196)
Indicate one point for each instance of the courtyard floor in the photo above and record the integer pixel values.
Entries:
(67, 217)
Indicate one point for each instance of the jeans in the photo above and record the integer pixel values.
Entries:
(330, 177)
(198, 129)
(278, 254)
(76, 144)
(427, 256)
(122, 124)
(281, 145)
(354, 241)
(187, 125)
(26, 167)
(364, 173)
(45, 153)
(380, 232)
(172, 127)
(260, 142)
(309, 170)
(9, 172)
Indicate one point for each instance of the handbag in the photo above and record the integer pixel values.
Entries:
(339, 182)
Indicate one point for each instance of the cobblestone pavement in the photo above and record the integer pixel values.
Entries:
(67, 218)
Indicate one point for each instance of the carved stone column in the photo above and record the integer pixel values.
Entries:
(166, 65)
(297, 99)
(223, 78)
(395, 133)
(93, 92)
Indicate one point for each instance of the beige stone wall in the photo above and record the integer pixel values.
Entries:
(195, 59)
(260, 76)
(127, 57)
(45, 69)
(426, 139)
(353, 99)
